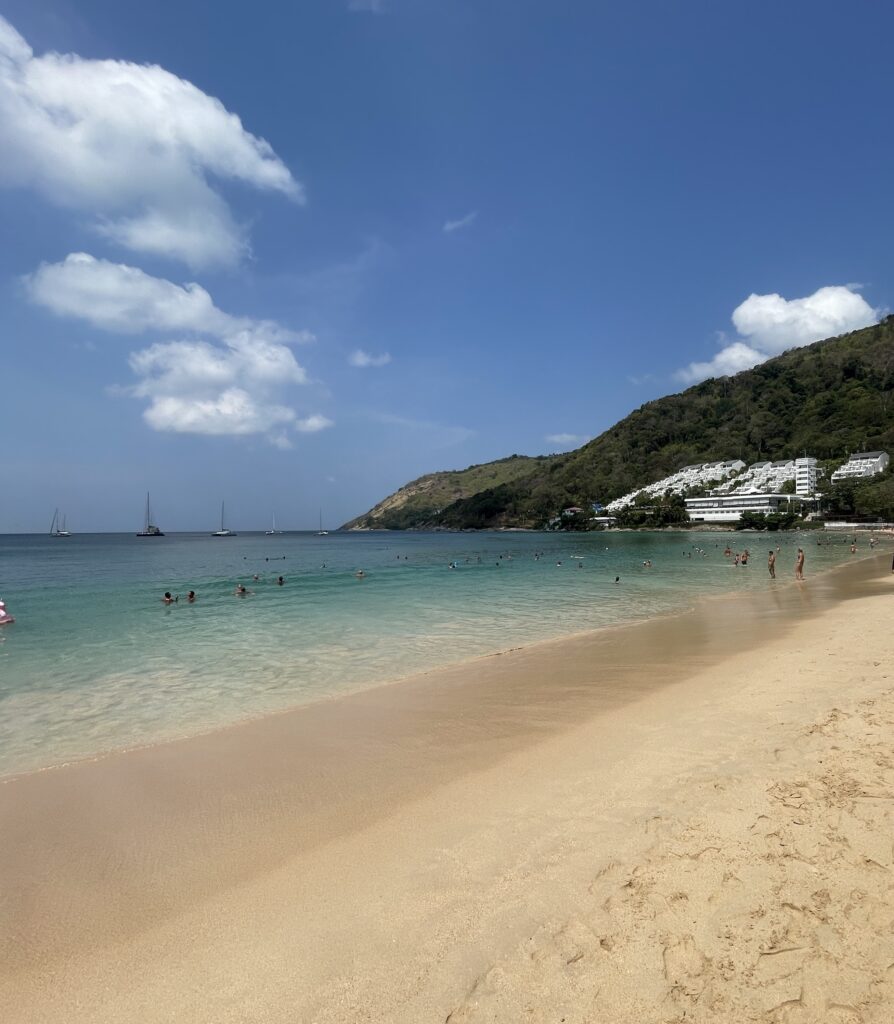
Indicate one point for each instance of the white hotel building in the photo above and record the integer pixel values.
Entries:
(862, 464)
(728, 508)
(805, 476)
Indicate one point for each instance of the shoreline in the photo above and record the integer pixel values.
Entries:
(411, 677)
(104, 858)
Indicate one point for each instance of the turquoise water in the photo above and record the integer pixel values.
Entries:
(95, 660)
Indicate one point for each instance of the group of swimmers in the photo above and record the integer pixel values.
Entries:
(739, 558)
(240, 590)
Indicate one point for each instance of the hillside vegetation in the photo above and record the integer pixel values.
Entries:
(419, 503)
(828, 399)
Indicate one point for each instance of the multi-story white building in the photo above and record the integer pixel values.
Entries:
(728, 508)
(764, 480)
(689, 476)
(761, 476)
(861, 465)
(805, 476)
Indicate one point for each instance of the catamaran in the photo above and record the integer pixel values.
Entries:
(273, 530)
(223, 531)
(57, 530)
(150, 529)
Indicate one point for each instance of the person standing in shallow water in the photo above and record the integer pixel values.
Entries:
(771, 564)
(799, 565)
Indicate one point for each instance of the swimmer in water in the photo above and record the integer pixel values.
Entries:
(241, 590)
(191, 596)
(617, 579)
(5, 618)
(280, 581)
(167, 599)
(360, 574)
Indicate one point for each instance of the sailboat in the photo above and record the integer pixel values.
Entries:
(150, 529)
(57, 530)
(273, 530)
(321, 532)
(223, 531)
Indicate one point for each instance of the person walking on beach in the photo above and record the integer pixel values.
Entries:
(799, 565)
(771, 564)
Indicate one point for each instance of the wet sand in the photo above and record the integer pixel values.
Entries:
(432, 850)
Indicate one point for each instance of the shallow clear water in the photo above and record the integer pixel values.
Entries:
(95, 661)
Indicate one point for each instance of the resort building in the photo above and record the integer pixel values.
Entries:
(761, 476)
(606, 521)
(761, 483)
(862, 464)
(805, 476)
(728, 508)
(699, 475)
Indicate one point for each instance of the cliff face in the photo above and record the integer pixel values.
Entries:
(829, 399)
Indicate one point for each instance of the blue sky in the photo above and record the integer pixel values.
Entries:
(295, 255)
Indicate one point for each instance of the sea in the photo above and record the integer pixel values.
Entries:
(97, 662)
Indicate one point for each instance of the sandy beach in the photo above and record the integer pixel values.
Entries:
(688, 819)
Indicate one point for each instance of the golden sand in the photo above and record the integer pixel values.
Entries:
(689, 819)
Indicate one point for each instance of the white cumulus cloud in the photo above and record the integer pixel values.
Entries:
(313, 424)
(133, 146)
(770, 324)
(118, 297)
(729, 360)
(232, 412)
(227, 385)
(774, 324)
(360, 358)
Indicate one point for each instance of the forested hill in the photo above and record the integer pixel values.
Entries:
(420, 502)
(829, 399)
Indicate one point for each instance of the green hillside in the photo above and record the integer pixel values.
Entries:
(829, 399)
(419, 503)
